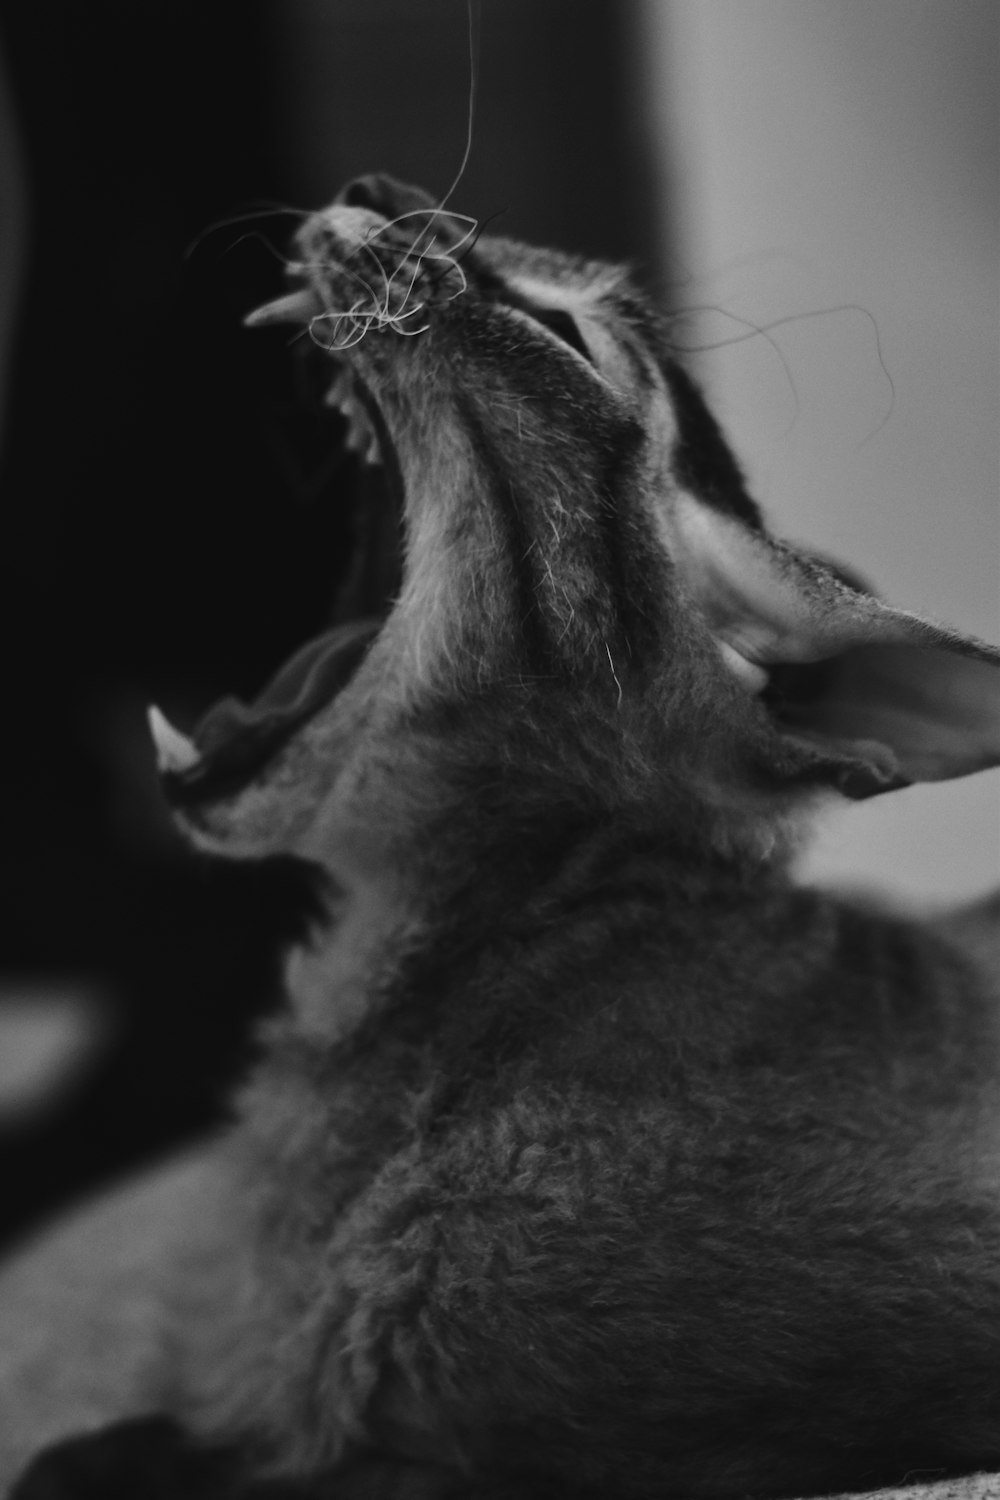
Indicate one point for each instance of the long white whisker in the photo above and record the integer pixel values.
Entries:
(471, 114)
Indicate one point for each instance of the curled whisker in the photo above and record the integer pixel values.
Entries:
(325, 329)
(328, 341)
(364, 283)
(453, 265)
(247, 217)
(413, 281)
(430, 215)
(753, 330)
(393, 319)
(386, 280)
(481, 227)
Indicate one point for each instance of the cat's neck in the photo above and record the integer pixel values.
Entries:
(456, 886)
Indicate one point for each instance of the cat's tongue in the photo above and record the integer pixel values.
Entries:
(234, 738)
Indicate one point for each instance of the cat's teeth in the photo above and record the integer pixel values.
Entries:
(174, 751)
(297, 307)
(360, 437)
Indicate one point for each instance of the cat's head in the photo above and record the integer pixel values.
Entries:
(574, 590)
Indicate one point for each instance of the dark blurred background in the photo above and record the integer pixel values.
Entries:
(173, 523)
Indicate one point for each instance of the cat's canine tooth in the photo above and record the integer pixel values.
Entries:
(296, 307)
(174, 751)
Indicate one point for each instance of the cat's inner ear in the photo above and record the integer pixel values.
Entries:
(887, 694)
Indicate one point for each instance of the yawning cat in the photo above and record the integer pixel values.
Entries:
(588, 1154)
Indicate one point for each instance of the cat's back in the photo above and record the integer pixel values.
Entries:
(703, 1193)
(780, 1001)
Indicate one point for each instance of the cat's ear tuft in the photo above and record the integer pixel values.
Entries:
(866, 697)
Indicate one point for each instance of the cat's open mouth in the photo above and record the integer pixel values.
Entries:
(233, 739)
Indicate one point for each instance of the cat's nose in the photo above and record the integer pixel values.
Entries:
(384, 195)
(362, 192)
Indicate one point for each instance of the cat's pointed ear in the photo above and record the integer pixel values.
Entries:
(871, 697)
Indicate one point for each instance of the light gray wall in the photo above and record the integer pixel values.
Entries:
(828, 153)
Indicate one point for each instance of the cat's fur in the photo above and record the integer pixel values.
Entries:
(589, 1154)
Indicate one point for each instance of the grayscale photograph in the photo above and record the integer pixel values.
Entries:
(500, 959)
